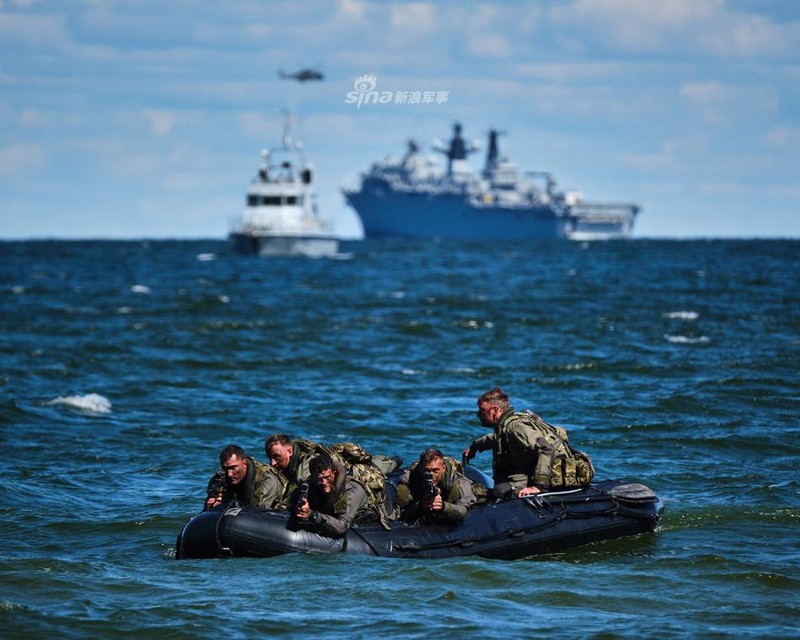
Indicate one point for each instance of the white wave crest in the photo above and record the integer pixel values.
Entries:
(206, 257)
(686, 339)
(682, 315)
(140, 288)
(90, 403)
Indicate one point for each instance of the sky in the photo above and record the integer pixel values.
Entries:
(145, 118)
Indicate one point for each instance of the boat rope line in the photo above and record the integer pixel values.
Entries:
(559, 493)
(508, 533)
(613, 510)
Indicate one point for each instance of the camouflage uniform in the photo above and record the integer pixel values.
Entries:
(263, 486)
(334, 513)
(520, 452)
(297, 470)
(456, 489)
(370, 471)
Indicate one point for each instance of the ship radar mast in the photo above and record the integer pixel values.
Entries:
(457, 151)
(492, 153)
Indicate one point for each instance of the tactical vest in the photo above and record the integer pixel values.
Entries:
(262, 470)
(557, 465)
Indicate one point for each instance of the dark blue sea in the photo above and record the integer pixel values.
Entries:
(127, 366)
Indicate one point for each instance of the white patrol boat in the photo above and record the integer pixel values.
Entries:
(280, 217)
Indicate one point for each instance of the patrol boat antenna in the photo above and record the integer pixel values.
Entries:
(287, 129)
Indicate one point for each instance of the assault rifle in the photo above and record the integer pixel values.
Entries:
(302, 495)
(216, 488)
(430, 490)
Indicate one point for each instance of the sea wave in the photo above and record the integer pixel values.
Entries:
(140, 288)
(90, 403)
(687, 385)
(682, 315)
(678, 339)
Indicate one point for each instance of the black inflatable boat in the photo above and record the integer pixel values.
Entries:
(510, 529)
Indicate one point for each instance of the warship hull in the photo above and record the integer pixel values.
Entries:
(421, 216)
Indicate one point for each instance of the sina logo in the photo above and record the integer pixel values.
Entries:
(365, 92)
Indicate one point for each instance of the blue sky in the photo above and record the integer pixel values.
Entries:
(145, 118)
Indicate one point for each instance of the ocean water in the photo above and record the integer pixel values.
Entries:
(127, 366)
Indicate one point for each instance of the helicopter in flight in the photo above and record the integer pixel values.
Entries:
(303, 75)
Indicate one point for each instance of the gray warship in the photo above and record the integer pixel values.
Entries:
(412, 196)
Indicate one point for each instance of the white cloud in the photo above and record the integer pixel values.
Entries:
(634, 24)
(723, 188)
(784, 138)
(679, 26)
(18, 159)
(33, 119)
(35, 31)
(353, 9)
(259, 30)
(674, 155)
(490, 45)
(742, 36)
(257, 124)
(183, 181)
(414, 17)
(136, 164)
(724, 104)
(573, 71)
(17, 4)
(704, 93)
(161, 122)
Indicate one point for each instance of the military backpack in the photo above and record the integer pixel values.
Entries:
(559, 466)
(356, 460)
